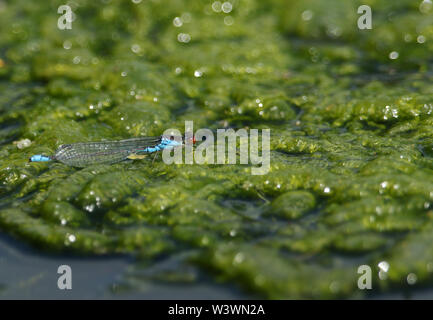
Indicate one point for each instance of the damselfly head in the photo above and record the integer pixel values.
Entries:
(172, 140)
(190, 139)
(175, 140)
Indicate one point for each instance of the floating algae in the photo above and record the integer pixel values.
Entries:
(351, 177)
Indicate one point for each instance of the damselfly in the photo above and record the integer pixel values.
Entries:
(105, 152)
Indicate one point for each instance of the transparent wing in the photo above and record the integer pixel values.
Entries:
(87, 153)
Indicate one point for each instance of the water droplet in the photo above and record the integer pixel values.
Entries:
(135, 48)
(420, 39)
(67, 44)
(239, 258)
(90, 208)
(384, 266)
(307, 15)
(383, 275)
(177, 22)
(216, 6)
(226, 7)
(425, 6)
(411, 278)
(21, 144)
(228, 21)
(393, 55)
(183, 37)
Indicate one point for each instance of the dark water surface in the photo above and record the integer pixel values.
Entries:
(28, 274)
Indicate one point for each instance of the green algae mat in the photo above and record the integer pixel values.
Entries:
(351, 119)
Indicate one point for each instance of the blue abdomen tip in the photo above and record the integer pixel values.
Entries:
(39, 158)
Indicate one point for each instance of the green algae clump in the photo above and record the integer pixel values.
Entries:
(351, 119)
(293, 204)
